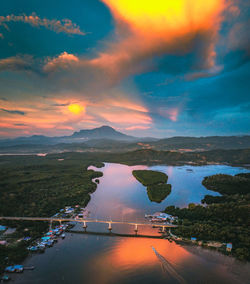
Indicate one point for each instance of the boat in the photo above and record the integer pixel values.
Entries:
(14, 268)
(18, 268)
(10, 269)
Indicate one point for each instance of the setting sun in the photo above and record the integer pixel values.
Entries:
(76, 108)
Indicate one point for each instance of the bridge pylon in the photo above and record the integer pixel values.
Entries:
(110, 227)
(85, 226)
(136, 229)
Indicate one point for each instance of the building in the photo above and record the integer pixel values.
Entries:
(3, 228)
(229, 247)
(215, 244)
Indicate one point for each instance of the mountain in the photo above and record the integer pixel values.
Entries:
(103, 132)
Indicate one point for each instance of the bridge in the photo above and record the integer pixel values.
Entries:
(162, 226)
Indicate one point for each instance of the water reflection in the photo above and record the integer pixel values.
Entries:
(120, 195)
(135, 255)
(102, 259)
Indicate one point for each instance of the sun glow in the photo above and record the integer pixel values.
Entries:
(76, 108)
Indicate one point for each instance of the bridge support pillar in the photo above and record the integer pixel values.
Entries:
(162, 230)
(50, 225)
(85, 226)
(136, 229)
(110, 227)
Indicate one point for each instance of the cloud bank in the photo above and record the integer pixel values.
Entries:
(63, 26)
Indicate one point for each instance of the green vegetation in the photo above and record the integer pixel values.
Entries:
(225, 218)
(147, 177)
(152, 157)
(158, 192)
(157, 188)
(40, 186)
(108, 143)
(226, 184)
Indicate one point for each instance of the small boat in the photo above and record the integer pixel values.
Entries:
(10, 269)
(18, 268)
(63, 236)
(14, 268)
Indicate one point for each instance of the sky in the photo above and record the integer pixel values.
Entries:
(158, 68)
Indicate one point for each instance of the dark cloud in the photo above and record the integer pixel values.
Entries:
(13, 111)
(17, 63)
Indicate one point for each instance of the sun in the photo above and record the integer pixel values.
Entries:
(76, 108)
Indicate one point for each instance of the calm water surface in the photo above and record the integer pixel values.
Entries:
(102, 259)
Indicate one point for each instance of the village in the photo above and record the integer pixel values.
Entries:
(160, 217)
(47, 240)
(57, 231)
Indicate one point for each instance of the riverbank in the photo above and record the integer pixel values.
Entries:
(39, 186)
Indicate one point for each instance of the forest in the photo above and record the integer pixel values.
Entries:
(157, 189)
(34, 186)
(224, 218)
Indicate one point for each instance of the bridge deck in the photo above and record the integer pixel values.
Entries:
(48, 219)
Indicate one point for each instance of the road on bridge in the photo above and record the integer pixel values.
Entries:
(51, 219)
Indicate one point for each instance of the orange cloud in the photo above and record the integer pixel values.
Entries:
(171, 113)
(126, 117)
(149, 28)
(129, 105)
(42, 117)
(63, 61)
(70, 112)
(14, 63)
(137, 127)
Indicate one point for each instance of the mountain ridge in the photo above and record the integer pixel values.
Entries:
(109, 139)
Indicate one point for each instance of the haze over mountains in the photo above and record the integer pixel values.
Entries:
(106, 138)
(103, 132)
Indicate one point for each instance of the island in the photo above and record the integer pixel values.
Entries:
(156, 183)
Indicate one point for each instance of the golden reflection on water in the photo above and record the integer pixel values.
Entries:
(129, 255)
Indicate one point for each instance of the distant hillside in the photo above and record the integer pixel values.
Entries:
(107, 139)
(186, 144)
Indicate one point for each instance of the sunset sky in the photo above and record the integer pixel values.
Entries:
(145, 67)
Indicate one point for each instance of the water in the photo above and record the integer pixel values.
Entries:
(102, 259)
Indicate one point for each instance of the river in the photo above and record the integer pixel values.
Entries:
(93, 259)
